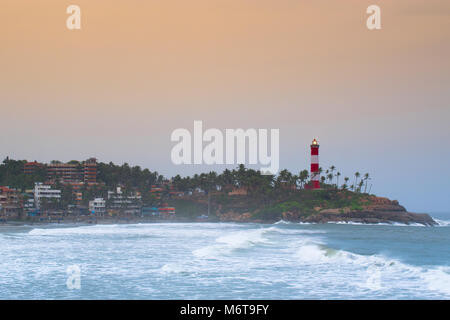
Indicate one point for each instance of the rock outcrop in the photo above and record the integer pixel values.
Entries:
(374, 210)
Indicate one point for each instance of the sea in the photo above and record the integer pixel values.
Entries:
(225, 261)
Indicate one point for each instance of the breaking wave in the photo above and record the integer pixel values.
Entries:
(392, 224)
(173, 268)
(366, 268)
(93, 230)
(240, 240)
(283, 222)
(442, 223)
(234, 241)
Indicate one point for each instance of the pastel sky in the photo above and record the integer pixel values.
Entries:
(378, 101)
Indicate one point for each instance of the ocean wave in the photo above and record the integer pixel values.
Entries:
(442, 223)
(233, 241)
(392, 224)
(93, 230)
(296, 231)
(375, 272)
(173, 268)
(438, 279)
(287, 223)
(65, 231)
(317, 253)
(283, 222)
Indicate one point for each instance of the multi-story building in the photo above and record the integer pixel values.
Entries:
(10, 202)
(129, 204)
(90, 171)
(67, 173)
(32, 167)
(29, 207)
(42, 191)
(156, 191)
(97, 206)
(72, 173)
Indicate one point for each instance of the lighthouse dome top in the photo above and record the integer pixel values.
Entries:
(314, 143)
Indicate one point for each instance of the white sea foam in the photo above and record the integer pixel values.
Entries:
(244, 239)
(298, 231)
(293, 223)
(317, 253)
(284, 260)
(283, 222)
(233, 241)
(442, 223)
(172, 268)
(390, 272)
(438, 279)
(392, 224)
(113, 229)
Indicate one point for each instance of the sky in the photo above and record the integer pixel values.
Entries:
(377, 100)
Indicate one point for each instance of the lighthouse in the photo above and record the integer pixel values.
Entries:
(315, 175)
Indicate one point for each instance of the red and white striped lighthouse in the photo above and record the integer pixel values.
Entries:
(315, 175)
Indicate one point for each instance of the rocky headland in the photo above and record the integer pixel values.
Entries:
(310, 206)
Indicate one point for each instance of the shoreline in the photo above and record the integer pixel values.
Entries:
(81, 223)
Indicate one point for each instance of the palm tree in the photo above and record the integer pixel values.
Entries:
(360, 185)
(357, 174)
(337, 179)
(332, 168)
(210, 183)
(330, 177)
(346, 179)
(320, 172)
(227, 179)
(241, 175)
(303, 176)
(284, 177)
(293, 181)
(366, 178)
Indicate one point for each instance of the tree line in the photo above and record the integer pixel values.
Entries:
(134, 178)
(255, 182)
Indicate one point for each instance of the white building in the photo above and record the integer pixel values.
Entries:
(97, 206)
(130, 203)
(42, 191)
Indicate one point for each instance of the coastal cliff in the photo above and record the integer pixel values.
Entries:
(312, 207)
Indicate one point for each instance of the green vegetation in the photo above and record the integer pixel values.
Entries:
(12, 175)
(265, 196)
(189, 209)
(308, 202)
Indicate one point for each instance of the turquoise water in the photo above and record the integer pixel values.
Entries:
(226, 261)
